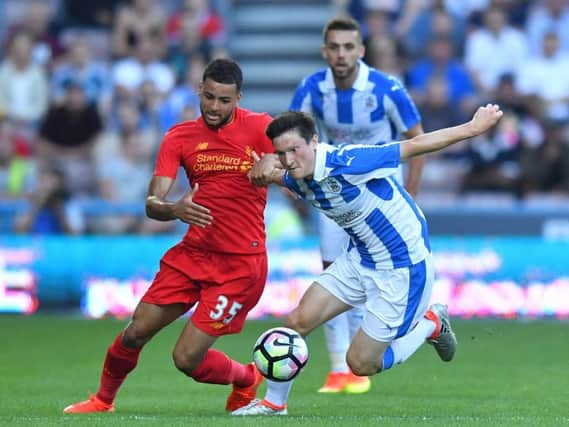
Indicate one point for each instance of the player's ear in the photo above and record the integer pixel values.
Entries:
(323, 52)
(200, 89)
(362, 51)
(314, 140)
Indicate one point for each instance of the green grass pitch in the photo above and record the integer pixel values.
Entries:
(505, 373)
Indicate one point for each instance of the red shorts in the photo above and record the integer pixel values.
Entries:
(227, 286)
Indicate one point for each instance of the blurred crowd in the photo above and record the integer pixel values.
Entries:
(454, 55)
(86, 91)
(88, 88)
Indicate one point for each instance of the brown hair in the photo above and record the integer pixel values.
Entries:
(342, 24)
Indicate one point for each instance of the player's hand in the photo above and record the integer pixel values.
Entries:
(264, 168)
(485, 118)
(191, 213)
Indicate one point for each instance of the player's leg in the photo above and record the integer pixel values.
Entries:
(169, 296)
(234, 287)
(333, 241)
(368, 356)
(322, 301)
(316, 306)
(122, 355)
(391, 332)
(355, 384)
(337, 337)
(193, 356)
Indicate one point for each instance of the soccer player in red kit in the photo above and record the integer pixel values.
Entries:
(221, 261)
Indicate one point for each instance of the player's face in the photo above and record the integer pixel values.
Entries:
(341, 50)
(217, 102)
(296, 154)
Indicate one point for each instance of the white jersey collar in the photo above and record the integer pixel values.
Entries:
(359, 84)
(320, 161)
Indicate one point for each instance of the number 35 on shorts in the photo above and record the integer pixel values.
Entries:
(220, 309)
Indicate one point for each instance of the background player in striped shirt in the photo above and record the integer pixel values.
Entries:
(387, 268)
(221, 261)
(355, 104)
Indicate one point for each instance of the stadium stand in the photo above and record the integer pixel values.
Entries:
(56, 56)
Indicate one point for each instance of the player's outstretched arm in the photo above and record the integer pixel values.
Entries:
(266, 170)
(184, 209)
(414, 165)
(484, 119)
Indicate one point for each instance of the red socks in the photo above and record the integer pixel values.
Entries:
(218, 368)
(119, 362)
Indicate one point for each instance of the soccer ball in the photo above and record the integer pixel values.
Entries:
(280, 354)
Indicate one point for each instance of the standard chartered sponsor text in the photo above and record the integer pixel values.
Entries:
(217, 162)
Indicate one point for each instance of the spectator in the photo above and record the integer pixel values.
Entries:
(494, 50)
(422, 20)
(443, 170)
(543, 81)
(437, 110)
(516, 12)
(506, 95)
(494, 158)
(150, 101)
(36, 22)
(441, 62)
(545, 168)
(139, 21)
(382, 53)
(183, 103)
(79, 66)
(92, 14)
(131, 73)
(377, 22)
(67, 135)
(17, 173)
(50, 211)
(23, 84)
(128, 121)
(465, 9)
(123, 178)
(531, 130)
(195, 29)
(547, 16)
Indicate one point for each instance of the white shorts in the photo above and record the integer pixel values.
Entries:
(393, 300)
(333, 239)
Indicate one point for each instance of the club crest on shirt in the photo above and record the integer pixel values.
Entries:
(370, 102)
(202, 146)
(333, 185)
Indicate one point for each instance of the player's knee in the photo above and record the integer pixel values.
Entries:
(361, 366)
(134, 336)
(299, 322)
(184, 360)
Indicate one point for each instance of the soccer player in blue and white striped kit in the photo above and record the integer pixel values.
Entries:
(387, 269)
(356, 104)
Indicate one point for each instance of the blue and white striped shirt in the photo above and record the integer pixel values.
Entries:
(354, 186)
(376, 108)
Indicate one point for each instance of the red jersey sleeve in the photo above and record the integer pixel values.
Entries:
(265, 144)
(169, 155)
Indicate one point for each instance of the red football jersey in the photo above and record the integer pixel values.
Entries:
(218, 160)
